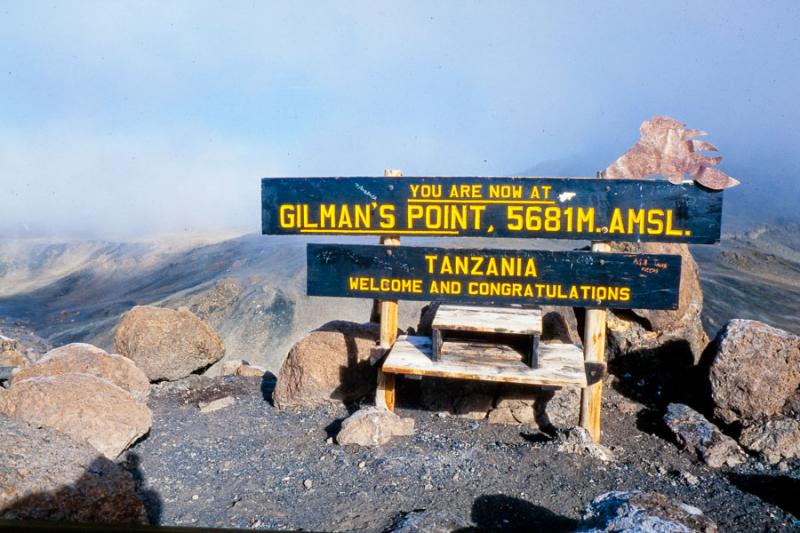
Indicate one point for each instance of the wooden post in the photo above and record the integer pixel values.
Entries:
(384, 395)
(594, 351)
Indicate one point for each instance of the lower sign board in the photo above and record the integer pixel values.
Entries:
(495, 277)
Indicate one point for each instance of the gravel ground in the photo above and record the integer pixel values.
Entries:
(251, 465)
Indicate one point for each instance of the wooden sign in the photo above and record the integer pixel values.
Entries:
(562, 208)
(494, 277)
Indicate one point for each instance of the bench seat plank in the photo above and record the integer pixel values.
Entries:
(560, 365)
(520, 321)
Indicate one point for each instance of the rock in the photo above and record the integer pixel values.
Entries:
(539, 407)
(217, 301)
(577, 440)
(83, 406)
(559, 324)
(775, 439)
(692, 430)
(10, 354)
(329, 365)
(643, 512)
(45, 475)
(426, 316)
(167, 344)
(466, 399)
(216, 405)
(755, 370)
(88, 359)
(655, 332)
(373, 426)
(243, 369)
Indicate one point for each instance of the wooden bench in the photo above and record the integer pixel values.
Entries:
(491, 323)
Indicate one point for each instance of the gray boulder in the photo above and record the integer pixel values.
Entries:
(776, 439)
(643, 512)
(692, 430)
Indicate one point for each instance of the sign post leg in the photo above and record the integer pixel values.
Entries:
(384, 395)
(594, 351)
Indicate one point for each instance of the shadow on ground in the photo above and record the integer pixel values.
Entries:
(497, 512)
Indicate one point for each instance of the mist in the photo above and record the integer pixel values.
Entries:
(123, 120)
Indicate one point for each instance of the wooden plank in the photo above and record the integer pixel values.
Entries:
(488, 319)
(388, 308)
(561, 365)
(494, 277)
(514, 207)
(385, 392)
(594, 352)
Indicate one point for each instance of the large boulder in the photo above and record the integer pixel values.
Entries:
(82, 406)
(662, 332)
(373, 426)
(45, 475)
(640, 512)
(329, 365)
(755, 371)
(167, 344)
(88, 359)
(776, 439)
(695, 432)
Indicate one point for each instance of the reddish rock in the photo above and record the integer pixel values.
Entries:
(329, 365)
(88, 359)
(167, 344)
(85, 407)
(662, 332)
(755, 371)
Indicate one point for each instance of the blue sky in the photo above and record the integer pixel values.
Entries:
(125, 119)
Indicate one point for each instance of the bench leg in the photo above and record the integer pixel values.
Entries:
(384, 395)
(533, 353)
(436, 342)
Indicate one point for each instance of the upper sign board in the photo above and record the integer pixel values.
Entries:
(550, 208)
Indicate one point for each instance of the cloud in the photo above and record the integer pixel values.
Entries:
(137, 117)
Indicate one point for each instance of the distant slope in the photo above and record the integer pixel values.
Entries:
(252, 288)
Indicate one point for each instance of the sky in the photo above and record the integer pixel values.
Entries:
(120, 120)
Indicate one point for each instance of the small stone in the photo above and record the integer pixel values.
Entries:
(307, 483)
(195, 497)
(578, 440)
(373, 426)
(362, 464)
(216, 405)
(690, 478)
(329, 440)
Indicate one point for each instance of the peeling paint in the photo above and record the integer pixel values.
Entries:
(566, 196)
